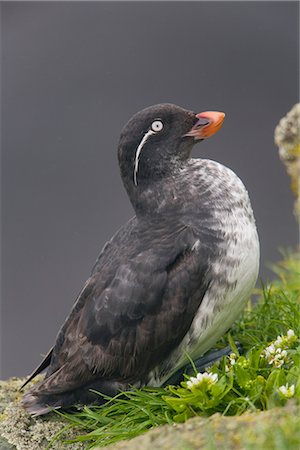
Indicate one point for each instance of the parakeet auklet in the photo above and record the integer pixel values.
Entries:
(171, 281)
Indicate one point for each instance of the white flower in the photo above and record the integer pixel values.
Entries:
(286, 341)
(291, 337)
(211, 378)
(287, 391)
(269, 351)
(200, 377)
(207, 378)
(232, 358)
(290, 334)
(192, 382)
(275, 353)
(275, 356)
(278, 342)
(279, 358)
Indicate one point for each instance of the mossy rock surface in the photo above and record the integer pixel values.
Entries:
(19, 431)
(278, 428)
(269, 430)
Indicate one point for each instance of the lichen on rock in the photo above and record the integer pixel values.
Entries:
(252, 430)
(287, 139)
(19, 431)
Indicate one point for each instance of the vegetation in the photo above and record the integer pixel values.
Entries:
(266, 375)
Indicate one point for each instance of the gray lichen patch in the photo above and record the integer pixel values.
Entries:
(287, 132)
(20, 431)
(9, 392)
(287, 138)
(268, 430)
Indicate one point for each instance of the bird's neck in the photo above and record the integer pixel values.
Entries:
(198, 183)
(156, 198)
(168, 194)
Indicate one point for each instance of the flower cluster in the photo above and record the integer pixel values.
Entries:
(286, 341)
(276, 352)
(287, 391)
(202, 379)
(275, 356)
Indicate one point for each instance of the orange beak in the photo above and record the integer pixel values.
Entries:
(209, 122)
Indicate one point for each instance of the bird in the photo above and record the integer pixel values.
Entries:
(171, 281)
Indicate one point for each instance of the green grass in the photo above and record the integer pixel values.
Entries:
(251, 381)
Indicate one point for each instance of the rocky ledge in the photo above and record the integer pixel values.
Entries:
(276, 428)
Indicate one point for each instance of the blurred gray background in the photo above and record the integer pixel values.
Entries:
(72, 75)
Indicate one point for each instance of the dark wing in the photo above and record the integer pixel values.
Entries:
(110, 251)
(143, 315)
(130, 317)
(49, 359)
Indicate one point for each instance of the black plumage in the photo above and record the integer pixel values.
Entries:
(139, 309)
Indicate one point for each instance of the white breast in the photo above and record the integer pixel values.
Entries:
(222, 304)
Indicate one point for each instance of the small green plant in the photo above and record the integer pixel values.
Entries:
(267, 374)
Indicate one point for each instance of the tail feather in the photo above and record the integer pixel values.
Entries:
(44, 364)
(38, 403)
(35, 406)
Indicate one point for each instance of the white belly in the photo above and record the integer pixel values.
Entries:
(221, 304)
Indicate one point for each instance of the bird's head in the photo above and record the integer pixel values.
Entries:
(160, 138)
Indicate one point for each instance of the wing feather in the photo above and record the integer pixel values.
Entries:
(130, 317)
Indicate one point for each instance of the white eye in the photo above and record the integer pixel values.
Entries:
(157, 125)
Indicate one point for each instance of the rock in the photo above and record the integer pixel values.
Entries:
(4, 445)
(19, 431)
(287, 138)
(276, 428)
